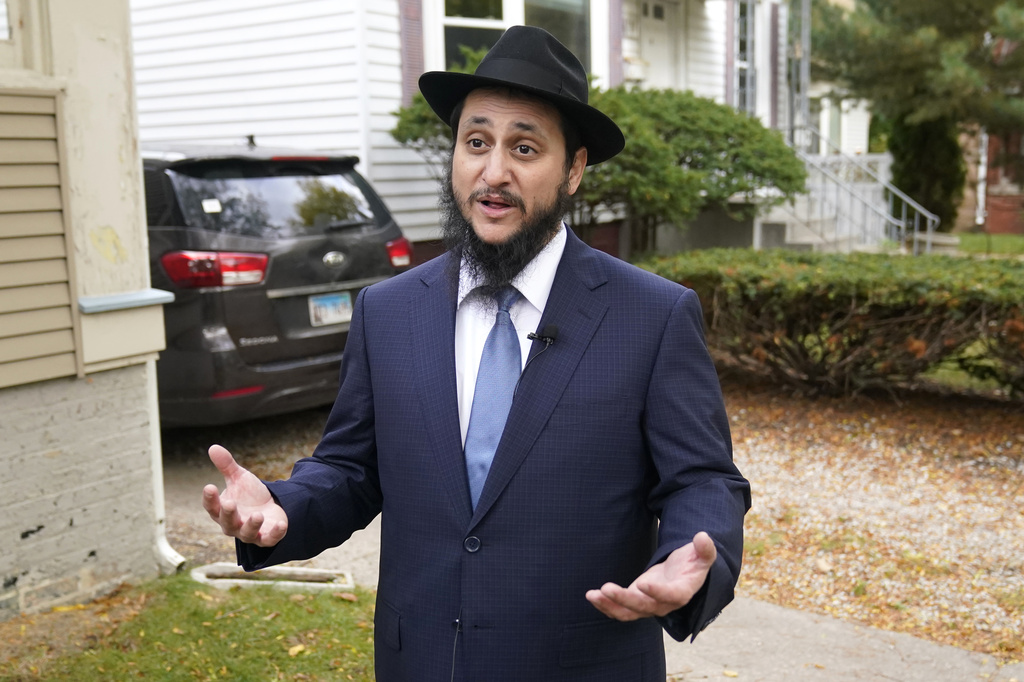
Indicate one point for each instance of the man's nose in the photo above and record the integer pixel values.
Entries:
(496, 170)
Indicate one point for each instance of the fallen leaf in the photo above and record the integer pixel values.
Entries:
(730, 673)
(347, 596)
(296, 650)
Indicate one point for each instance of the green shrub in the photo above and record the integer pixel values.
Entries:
(840, 323)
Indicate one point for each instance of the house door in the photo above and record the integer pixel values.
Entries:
(659, 40)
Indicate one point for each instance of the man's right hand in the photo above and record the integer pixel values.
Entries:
(245, 510)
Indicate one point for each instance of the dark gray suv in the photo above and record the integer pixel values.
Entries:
(265, 251)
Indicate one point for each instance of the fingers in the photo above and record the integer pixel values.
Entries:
(232, 525)
(211, 501)
(623, 604)
(663, 588)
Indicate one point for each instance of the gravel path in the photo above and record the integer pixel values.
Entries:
(902, 514)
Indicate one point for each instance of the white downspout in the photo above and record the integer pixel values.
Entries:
(169, 560)
(981, 209)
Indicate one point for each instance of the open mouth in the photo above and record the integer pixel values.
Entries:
(495, 204)
(498, 201)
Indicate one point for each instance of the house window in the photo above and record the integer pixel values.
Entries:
(745, 84)
(479, 23)
(471, 23)
(567, 20)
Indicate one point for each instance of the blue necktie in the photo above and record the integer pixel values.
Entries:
(500, 366)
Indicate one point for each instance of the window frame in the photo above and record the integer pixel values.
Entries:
(744, 85)
(513, 13)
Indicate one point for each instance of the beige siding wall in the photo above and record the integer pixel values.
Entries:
(37, 318)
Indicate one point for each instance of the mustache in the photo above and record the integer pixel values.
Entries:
(505, 195)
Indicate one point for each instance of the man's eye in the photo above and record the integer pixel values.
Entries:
(524, 149)
(476, 144)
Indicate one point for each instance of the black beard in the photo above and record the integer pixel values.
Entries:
(496, 265)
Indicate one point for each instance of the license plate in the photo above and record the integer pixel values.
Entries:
(325, 309)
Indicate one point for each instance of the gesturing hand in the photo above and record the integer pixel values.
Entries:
(245, 510)
(662, 588)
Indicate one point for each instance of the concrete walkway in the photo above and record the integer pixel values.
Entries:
(751, 641)
(755, 641)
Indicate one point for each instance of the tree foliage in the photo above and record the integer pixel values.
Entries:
(934, 69)
(929, 145)
(683, 154)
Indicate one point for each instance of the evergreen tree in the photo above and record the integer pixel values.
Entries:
(933, 68)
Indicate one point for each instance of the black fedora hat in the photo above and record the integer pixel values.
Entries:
(530, 59)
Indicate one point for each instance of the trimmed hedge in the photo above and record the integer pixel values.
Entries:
(840, 323)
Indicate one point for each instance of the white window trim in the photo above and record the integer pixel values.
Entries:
(750, 63)
(514, 13)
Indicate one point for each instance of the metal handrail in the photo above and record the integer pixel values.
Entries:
(931, 220)
(887, 217)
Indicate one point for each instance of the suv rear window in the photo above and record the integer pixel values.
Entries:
(274, 199)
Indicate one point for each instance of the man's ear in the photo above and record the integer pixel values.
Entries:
(576, 171)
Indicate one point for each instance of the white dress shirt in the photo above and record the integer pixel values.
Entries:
(475, 317)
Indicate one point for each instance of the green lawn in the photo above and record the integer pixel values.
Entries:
(1001, 244)
(184, 630)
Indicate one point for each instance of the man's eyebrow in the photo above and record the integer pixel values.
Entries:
(519, 125)
(526, 127)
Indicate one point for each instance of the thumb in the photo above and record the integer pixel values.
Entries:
(705, 548)
(224, 462)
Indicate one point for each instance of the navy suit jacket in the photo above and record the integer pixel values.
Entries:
(618, 425)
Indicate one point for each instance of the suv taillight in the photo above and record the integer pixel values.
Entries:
(194, 269)
(400, 252)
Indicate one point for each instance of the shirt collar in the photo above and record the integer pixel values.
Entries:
(535, 280)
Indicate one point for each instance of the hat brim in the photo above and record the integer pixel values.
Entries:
(443, 91)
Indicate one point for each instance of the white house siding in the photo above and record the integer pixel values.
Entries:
(706, 48)
(700, 29)
(855, 128)
(313, 74)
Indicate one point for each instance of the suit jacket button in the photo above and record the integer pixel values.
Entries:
(472, 543)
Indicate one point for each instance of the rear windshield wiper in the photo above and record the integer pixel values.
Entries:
(344, 224)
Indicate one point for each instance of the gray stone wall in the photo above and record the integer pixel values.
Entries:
(76, 489)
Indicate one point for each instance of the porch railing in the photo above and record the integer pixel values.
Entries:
(857, 195)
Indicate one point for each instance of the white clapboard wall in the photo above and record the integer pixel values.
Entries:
(312, 74)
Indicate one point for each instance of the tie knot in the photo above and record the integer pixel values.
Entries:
(505, 297)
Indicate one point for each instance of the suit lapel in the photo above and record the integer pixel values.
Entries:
(432, 330)
(573, 307)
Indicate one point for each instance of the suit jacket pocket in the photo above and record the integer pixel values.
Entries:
(606, 641)
(387, 625)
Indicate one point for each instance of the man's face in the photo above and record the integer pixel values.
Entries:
(508, 163)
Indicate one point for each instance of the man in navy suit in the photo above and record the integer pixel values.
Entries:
(607, 505)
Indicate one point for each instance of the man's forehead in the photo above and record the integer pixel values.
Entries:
(482, 105)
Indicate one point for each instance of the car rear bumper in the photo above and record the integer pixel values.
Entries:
(204, 389)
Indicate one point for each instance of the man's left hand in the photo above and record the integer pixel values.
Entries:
(662, 588)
